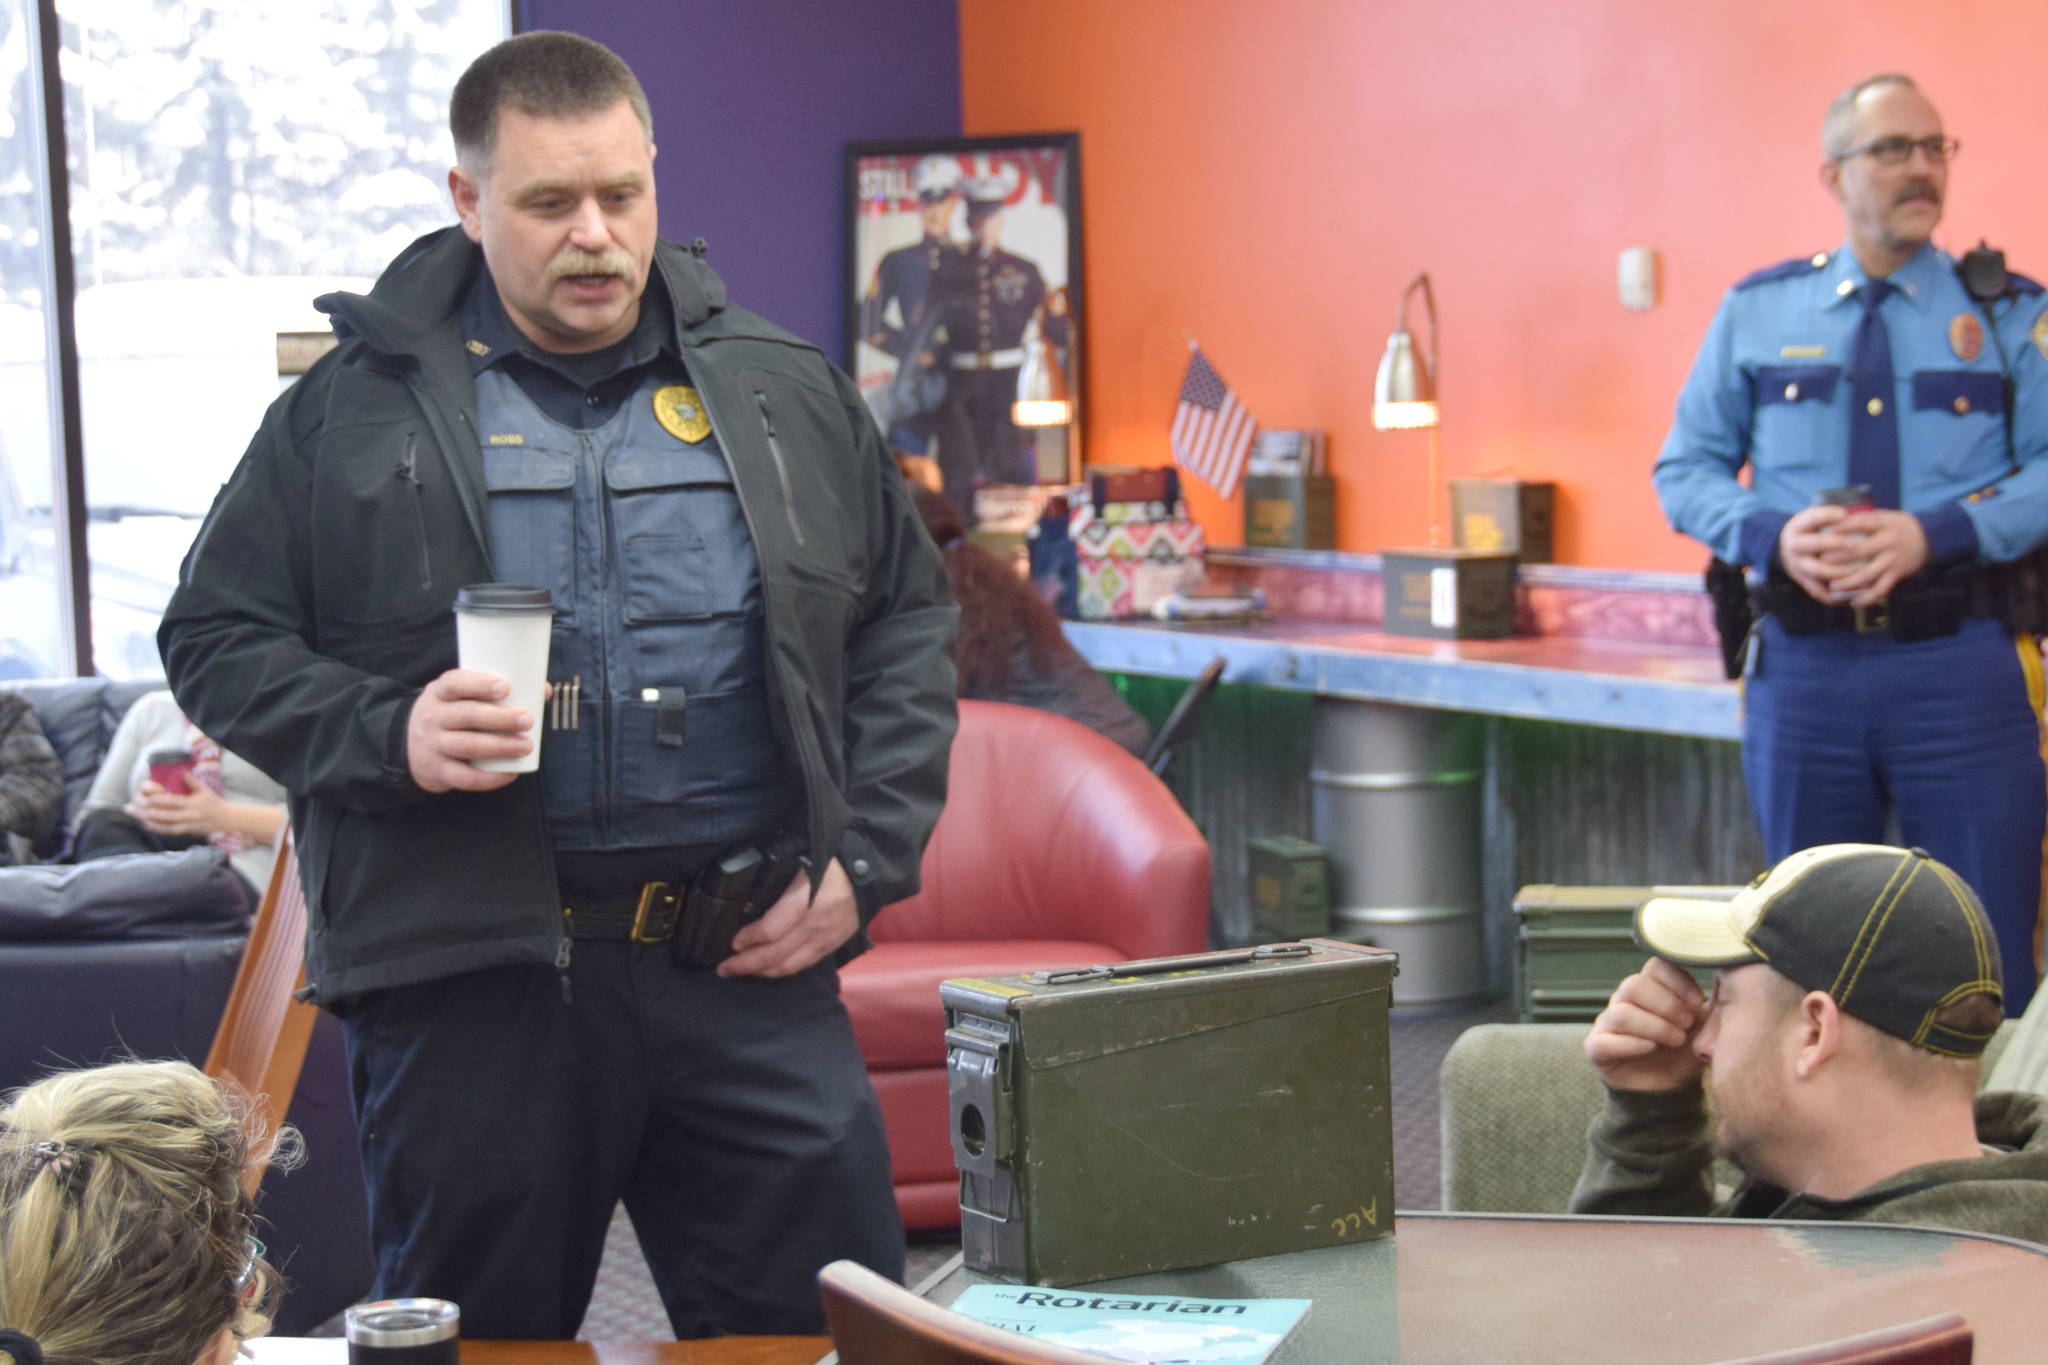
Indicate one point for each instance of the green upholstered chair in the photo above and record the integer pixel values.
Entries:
(1517, 1100)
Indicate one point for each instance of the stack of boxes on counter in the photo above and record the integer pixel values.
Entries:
(1468, 592)
(1115, 546)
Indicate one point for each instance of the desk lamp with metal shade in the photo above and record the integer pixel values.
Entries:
(1437, 592)
(1404, 393)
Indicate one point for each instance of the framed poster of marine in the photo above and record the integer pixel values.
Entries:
(964, 308)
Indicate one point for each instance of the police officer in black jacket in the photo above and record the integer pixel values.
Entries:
(750, 651)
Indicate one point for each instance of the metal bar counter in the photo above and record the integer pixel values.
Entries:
(1658, 689)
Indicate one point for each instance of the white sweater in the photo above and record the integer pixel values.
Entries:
(155, 722)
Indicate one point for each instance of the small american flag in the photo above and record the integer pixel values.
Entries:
(1212, 431)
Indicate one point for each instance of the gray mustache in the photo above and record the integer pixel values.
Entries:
(573, 262)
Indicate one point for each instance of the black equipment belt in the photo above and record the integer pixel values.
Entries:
(697, 914)
(645, 914)
(1924, 607)
(1927, 606)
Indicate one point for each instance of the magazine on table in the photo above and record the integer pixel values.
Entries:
(1157, 1329)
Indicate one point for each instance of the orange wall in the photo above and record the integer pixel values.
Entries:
(1267, 176)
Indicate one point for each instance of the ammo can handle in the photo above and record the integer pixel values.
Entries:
(1073, 976)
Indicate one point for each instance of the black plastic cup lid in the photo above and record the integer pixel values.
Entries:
(170, 756)
(403, 1322)
(512, 599)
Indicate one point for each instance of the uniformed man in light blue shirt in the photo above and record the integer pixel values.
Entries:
(1896, 431)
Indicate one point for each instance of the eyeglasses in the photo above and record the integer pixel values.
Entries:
(245, 1278)
(1896, 151)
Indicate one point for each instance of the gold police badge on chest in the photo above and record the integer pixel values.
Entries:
(1965, 336)
(681, 413)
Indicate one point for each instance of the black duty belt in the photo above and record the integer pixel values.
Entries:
(699, 913)
(1921, 608)
(1926, 606)
(647, 914)
(697, 929)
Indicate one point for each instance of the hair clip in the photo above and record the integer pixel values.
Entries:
(25, 1349)
(60, 1156)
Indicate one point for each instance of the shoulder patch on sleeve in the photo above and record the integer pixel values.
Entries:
(1798, 265)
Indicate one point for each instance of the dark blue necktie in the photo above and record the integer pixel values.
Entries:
(1873, 426)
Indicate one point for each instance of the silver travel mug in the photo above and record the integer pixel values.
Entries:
(403, 1332)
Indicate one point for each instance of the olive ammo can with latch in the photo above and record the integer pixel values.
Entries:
(1179, 1111)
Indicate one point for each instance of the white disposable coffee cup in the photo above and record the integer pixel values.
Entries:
(503, 628)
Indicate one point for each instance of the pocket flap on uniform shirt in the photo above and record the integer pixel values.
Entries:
(1959, 391)
(631, 471)
(515, 469)
(1796, 383)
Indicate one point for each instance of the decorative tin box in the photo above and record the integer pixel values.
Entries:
(1127, 565)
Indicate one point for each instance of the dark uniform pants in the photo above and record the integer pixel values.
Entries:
(501, 1124)
(979, 442)
(1839, 727)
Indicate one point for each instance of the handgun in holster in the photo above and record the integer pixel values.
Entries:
(732, 892)
(1734, 615)
(2017, 592)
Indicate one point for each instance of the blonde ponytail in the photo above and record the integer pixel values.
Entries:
(125, 1237)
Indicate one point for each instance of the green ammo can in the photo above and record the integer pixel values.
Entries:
(1574, 944)
(1179, 1111)
(1290, 887)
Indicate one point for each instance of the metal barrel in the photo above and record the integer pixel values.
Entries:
(1396, 795)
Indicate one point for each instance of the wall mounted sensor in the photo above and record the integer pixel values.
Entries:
(1637, 275)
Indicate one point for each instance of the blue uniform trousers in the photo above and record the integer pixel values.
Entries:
(501, 1125)
(1840, 727)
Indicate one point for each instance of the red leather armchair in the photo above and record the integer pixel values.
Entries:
(1056, 849)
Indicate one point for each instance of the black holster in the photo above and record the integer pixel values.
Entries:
(2017, 592)
(1733, 615)
(732, 892)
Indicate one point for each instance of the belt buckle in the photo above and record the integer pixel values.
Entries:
(1875, 619)
(665, 903)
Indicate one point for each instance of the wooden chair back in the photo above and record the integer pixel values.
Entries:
(1177, 731)
(261, 1042)
(876, 1321)
(1943, 1340)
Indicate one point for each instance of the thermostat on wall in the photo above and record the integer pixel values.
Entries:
(1638, 277)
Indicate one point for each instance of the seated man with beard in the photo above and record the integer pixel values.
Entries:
(1855, 989)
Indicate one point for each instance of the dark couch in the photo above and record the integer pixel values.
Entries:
(71, 1000)
(158, 990)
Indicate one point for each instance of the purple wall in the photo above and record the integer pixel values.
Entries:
(754, 103)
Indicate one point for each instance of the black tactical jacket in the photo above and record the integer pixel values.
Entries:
(317, 601)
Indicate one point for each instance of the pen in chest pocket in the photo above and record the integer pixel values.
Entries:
(564, 709)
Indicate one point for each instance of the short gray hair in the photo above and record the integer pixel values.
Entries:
(543, 75)
(1838, 125)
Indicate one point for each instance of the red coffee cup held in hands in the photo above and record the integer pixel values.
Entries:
(170, 769)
